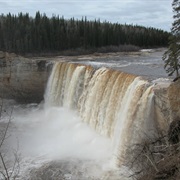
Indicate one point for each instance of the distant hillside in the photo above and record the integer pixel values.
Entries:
(24, 34)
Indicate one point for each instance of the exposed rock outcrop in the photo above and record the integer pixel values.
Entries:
(174, 98)
(167, 102)
(22, 79)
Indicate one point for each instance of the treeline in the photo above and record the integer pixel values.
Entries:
(24, 34)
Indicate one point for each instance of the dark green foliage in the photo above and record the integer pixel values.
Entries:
(24, 34)
(172, 55)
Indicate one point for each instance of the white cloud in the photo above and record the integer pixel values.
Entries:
(153, 13)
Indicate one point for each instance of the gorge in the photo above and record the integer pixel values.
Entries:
(123, 109)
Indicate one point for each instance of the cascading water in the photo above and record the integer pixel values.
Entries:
(90, 122)
(117, 105)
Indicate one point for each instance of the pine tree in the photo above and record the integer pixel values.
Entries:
(172, 56)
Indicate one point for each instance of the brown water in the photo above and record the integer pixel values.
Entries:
(92, 115)
(147, 63)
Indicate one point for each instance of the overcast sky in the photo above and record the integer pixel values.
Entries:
(149, 13)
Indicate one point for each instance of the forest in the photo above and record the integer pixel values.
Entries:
(25, 34)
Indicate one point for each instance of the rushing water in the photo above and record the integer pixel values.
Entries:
(89, 119)
(115, 104)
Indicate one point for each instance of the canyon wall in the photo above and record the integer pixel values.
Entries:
(23, 79)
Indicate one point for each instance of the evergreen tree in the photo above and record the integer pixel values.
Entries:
(172, 56)
(25, 34)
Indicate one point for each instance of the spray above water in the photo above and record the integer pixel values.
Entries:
(57, 134)
(89, 114)
(117, 105)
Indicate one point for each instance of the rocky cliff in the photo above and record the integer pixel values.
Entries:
(174, 98)
(167, 103)
(21, 78)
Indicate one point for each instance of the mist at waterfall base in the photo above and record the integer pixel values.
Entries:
(57, 134)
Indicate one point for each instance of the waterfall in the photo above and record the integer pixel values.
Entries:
(117, 105)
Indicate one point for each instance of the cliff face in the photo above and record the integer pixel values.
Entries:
(22, 79)
(167, 103)
(174, 99)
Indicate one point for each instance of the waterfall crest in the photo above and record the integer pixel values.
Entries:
(116, 104)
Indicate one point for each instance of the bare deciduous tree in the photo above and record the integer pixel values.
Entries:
(8, 169)
(157, 158)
